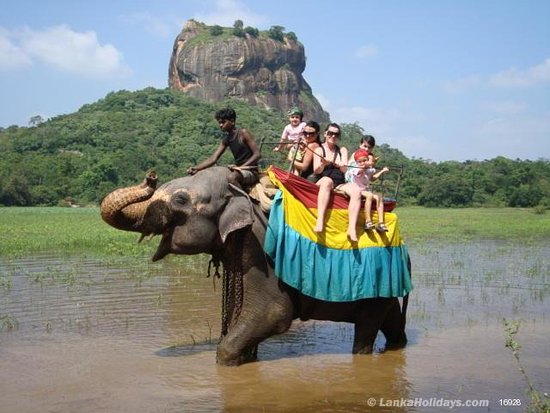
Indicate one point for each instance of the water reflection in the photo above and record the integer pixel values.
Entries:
(88, 335)
(312, 383)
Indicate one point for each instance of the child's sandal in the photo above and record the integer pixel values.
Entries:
(368, 226)
(382, 228)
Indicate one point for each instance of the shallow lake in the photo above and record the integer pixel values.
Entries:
(88, 335)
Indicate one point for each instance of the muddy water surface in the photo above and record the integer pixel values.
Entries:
(93, 336)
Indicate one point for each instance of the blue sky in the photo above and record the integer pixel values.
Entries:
(438, 80)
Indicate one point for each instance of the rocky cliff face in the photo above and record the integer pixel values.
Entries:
(260, 70)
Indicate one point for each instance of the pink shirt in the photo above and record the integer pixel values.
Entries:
(293, 134)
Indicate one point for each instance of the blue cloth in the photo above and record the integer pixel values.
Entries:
(334, 274)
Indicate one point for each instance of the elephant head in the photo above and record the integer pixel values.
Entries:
(194, 214)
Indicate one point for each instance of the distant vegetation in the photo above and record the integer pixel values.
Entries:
(208, 33)
(78, 158)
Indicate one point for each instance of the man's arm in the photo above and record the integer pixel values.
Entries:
(211, 160)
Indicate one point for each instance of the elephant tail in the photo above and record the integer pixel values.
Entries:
(404, 306)
(405, 302)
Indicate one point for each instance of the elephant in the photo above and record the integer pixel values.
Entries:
(210, 213)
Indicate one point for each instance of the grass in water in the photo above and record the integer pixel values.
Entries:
(538, 402)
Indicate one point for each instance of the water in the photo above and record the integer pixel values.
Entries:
(92, 336)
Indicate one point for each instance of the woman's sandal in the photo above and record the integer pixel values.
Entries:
(382, 228)
(368, 226)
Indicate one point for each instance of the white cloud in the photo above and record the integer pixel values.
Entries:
(226, 12)
(507, 107)
(69, 51)
(366, 51)
(11, 56)
(522, 78)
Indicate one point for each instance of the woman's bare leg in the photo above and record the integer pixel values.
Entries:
(354, 193)
(325, 185)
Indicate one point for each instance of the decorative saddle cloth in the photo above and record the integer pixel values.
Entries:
(329, 266)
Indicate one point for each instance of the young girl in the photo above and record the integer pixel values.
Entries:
(362, 175)
(292, 133)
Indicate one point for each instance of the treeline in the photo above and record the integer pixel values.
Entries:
(78, 158)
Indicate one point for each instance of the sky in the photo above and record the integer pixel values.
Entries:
(439, 80)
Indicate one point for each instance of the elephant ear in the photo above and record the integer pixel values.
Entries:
(237, 213)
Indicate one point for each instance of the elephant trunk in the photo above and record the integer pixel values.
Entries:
(125, 208)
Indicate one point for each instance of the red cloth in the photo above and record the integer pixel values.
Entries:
(306, 191)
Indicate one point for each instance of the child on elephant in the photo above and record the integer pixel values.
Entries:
(362, 174)
(242, 145)
(292, 133)
(292, 136)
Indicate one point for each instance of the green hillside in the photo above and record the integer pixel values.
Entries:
(114, 141)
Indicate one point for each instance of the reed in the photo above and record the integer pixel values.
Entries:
(538, 402)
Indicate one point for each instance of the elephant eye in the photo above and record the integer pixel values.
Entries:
(180, 200)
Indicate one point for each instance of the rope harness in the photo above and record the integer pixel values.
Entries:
(232, 291)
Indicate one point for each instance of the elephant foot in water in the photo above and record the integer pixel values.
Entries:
(392, 343)
(362, 349)
(226, 356)
(395, 343)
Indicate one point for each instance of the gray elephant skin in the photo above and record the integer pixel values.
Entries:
(209, 213)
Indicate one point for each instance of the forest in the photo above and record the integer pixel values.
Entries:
(77, 158)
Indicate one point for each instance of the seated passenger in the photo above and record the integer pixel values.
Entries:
(242, 145)
(361, 176)
(330, 165)
(292, 131)
(311, 142)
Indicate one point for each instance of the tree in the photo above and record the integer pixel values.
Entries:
(15, 192)
(446, 191)
(238, 28)
(252, 31)
(292, 36)
(36, 120)
(525, 196)
(216, 30)
(276, 33)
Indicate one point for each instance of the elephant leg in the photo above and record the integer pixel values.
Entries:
(363, 341)
(370, 317)
(392, 327)
(240, 344)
